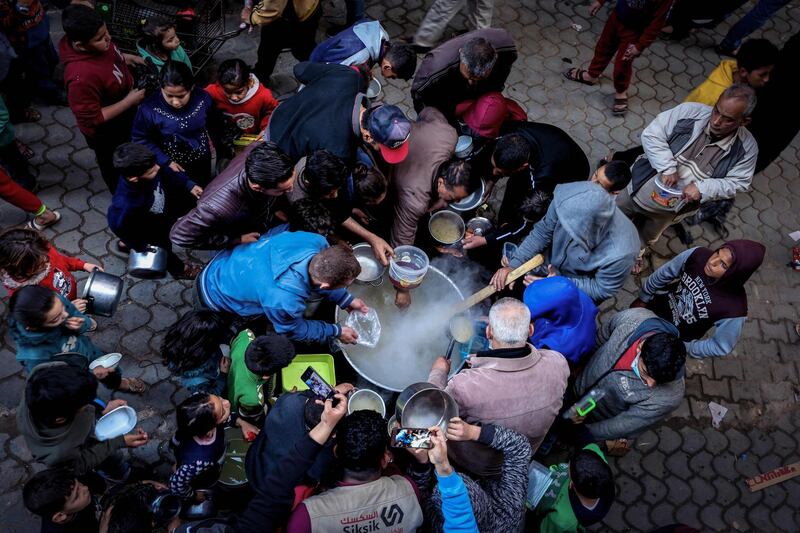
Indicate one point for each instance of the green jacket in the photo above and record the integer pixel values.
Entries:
(247, 392)
(179, 54)
(555, 508)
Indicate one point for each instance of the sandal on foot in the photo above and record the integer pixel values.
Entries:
(190, 272)
(576, 74)
(620, 107)
(24, 150)
(132, 385)
(31, 114)
(39, 226)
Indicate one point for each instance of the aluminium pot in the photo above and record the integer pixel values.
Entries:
(422, 405)
(102, 293)
(372, 270)
(150, 264)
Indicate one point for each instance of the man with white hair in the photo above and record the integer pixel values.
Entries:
(513, 384)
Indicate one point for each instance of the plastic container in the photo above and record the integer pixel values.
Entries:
(539, 480)
(408, 267)
(585, 405)
(118, 422)
(109, 361)
(321, 362)
(667, 197)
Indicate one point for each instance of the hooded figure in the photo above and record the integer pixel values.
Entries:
(563, 317)
(587, 239)
(700, 289)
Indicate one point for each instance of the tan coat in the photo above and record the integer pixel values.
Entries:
(431, 143)
(521, 393)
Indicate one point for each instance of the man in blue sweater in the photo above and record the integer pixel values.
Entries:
(276, 276)
(367, 43)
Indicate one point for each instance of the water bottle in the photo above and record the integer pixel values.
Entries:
(585, 405)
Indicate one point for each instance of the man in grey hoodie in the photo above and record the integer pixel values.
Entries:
(639, 367)
(585, 237)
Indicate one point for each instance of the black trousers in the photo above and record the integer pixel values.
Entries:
(283, 33)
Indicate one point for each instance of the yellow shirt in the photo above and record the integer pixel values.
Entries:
(720, 79)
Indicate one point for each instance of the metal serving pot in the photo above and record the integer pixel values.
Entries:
(371, 268)
(446, 220)
(150, 264)
(102, 292)
(422, 405)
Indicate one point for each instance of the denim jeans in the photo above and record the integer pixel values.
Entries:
(754, 19)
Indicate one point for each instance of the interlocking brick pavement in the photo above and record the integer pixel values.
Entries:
(683, 470)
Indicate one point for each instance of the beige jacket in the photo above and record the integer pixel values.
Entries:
(519, 393)
(432, 142)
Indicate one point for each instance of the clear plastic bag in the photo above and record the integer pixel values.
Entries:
(366, 325)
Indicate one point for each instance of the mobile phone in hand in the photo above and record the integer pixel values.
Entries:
(318, 385)
(411, 438)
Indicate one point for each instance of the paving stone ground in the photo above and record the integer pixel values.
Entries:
(684, 470)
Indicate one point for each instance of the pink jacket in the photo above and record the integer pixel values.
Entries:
(519, 393)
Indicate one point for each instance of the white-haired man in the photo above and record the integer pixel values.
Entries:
(513, 384)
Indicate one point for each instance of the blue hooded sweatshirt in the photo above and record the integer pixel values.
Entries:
(563, 317)
(360, 43)
(271, 276)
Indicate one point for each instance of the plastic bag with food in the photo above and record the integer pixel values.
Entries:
(366, 325)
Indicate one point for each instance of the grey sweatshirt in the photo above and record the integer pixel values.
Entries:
(629, 406)
(587, 239)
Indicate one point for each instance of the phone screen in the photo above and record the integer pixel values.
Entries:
(411, 438)
(316, 383)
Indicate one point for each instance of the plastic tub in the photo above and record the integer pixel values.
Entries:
(667, 196)
(408, 267)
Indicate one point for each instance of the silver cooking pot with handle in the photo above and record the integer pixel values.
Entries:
(102, 293)
(150, 264)
(423, 404)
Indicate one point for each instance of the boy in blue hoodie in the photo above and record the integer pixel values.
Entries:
(276, 276)
(147, 202)
(367, 43)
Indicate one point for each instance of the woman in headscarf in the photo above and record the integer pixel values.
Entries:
(700, 289)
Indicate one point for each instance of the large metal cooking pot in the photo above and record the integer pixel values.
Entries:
(422, 405)
(102, 292)
(150, 264)
(411, 339)
(371, 268)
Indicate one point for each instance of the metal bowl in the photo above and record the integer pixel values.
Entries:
(371, 269)
(365, 399)
(102, 292)
(463, 146)
(425, 406)
(471, 201)
(446, 220)
(150, 264)
(479, 226)
(374, 89)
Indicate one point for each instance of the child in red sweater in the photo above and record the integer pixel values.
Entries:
(244, 102)
(27, 258)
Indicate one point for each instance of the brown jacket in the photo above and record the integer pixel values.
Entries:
(228, 209)
(519, 393)
(438, 82)
(432, 142)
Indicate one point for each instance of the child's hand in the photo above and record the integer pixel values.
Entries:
(113, 404)
(134, 440)
(248, 429)
(74, 323)
(89, 267)
(224, 365)
(135, 97)
(80, 304)
(196, 191)
(249, 237)
(175, 167)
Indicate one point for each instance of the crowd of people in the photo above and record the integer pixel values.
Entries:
(328, 167)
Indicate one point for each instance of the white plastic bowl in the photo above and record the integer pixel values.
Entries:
(109, 361)
(115, 423)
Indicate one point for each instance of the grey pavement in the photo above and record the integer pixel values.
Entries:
(684, 470)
